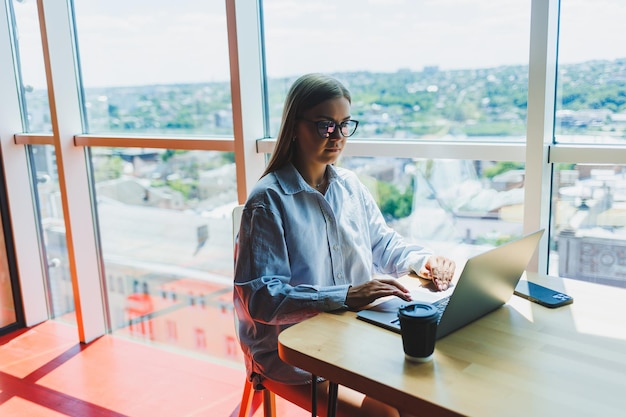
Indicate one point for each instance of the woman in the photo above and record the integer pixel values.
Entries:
(311, 239)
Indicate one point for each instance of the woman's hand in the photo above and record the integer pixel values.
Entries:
(362, 295)
(440, 270)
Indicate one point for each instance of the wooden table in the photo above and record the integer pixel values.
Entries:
(521, 360)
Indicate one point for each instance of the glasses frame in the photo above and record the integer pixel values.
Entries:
(324, 128)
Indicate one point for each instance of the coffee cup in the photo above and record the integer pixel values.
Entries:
(418, 324)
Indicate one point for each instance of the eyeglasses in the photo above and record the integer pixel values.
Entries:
(325, 128)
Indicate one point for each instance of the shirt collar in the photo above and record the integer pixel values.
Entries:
(292, 182)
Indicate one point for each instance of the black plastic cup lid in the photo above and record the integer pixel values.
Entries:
(417, 310)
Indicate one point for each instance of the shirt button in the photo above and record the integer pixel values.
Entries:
(340, 275)
(335, 247)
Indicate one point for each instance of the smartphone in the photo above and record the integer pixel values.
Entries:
(542, 295)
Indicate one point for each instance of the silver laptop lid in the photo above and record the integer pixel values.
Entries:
(487, 282)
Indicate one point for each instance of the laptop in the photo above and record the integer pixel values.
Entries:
(487, 282)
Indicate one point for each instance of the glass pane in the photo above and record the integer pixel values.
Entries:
(32, 68)
(59, 281)
(589, 234)
(459, 206)
(149, 69)
(166, 232)
(419, 70)
(591, 81)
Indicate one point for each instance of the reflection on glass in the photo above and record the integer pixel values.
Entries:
(59, 282)
(424, 70)
(31, 68)
(166, 233)
(447, 203)
(591, 78)
(589, 234)
(179, 82)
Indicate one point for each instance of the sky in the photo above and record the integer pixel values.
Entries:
(138, 42)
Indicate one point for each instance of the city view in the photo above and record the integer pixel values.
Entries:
(164, 215)
(459, 104)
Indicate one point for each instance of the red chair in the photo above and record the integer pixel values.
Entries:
(252, 397)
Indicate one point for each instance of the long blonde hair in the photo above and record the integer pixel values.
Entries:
(306, 92)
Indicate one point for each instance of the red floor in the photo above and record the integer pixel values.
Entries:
(45, 372)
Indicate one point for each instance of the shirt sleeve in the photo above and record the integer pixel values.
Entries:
(392, 254)
(263, 274)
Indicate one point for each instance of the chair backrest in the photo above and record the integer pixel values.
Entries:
(237, 211)
(253, 396)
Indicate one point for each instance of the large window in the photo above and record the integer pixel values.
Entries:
(36, 119)
(58, 278)
(591, 95)
(446, 202)
(167, 242)
(163, 212)
(441, 90)
(419, 72)
(588, 236)
(416, 69)
(589, 223)
(155, 68)
(31, 67)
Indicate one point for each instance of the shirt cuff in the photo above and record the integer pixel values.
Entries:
(418, 265)
(335, 297)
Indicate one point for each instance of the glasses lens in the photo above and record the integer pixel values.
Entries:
(325, 128)
(348, 128)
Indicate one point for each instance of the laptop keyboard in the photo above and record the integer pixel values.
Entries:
(441, 305)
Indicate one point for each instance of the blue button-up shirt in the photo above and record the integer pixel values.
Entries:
(299, 252)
